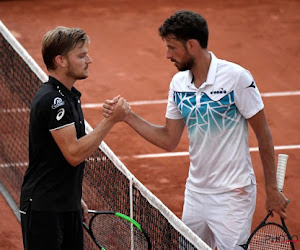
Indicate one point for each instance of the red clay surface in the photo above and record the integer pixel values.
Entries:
(129, 59)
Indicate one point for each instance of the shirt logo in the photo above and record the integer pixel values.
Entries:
(252, 85)
(57, 103)
(220, 91)
(60, 114)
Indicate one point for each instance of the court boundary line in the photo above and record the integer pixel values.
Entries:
(151, 102)
(164, 101)
(158, 155)
(175, 154)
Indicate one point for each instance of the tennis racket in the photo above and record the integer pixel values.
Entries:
(112, 230)
(271, 235)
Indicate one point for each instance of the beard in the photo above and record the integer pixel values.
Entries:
(77, 75)
(186, 64)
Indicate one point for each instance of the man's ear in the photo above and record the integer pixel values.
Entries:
(60, 61)
(192, 45)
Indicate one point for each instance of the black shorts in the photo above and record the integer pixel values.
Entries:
(52, 230)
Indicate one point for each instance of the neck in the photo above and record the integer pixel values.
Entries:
(64, 79)
(201, 67)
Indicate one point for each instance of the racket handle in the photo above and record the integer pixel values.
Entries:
(281, 167)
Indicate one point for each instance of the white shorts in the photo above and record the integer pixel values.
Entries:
(223, 220)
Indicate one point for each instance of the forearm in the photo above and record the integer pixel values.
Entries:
(156, 134)
(267, 155)
(275, 200)
(77, 150)
(266, 149)
(82, 148)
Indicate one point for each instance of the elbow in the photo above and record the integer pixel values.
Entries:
(73, 157)
(74, 163)
(170, 147)
(73, 160)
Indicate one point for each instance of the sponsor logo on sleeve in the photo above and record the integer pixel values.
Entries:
(58, 102)
(252, 85)
(60, 114)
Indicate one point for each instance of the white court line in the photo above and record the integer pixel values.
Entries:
(252, 149)
(137, 103)
(159, 155)
(276, 94)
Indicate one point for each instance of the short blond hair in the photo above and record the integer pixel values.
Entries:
(60, 41)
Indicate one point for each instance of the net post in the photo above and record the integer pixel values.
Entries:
(131, 211)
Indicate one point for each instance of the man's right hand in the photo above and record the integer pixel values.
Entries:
(116, 109)
(109, 106)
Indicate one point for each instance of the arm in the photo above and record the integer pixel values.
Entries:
(77, 150)
(166, 137)
(275, 200)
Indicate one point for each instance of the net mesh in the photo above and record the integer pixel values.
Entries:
(107, 185)
(17, 86)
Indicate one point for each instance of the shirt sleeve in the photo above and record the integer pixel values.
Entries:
(56, 110)
(172, 111)
(247, 96)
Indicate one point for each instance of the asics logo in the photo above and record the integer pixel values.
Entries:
(57, 103)
(60, 114)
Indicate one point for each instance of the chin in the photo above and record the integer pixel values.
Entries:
(182, 69)
(82, 77)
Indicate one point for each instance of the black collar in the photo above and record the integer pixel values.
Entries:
(73, 93)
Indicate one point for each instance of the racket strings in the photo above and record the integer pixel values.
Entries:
(270, 237)
(112, 232)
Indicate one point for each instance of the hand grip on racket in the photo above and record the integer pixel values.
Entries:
(271, 235)
(281, 167)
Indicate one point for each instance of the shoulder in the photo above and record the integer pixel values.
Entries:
(235, 73)
(48, 97)
(182, 81)
(181, 75)
(229, 67)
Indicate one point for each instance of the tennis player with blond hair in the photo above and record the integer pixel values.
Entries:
(216, 100)
(51, 205)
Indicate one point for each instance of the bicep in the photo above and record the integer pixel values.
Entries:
(259, 124)
(174, 129)
(65, 138)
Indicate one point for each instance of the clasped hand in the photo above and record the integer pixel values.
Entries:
(116, 109)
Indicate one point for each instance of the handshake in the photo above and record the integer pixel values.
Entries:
(116, 110)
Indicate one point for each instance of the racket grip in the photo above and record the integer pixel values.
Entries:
(281, 167)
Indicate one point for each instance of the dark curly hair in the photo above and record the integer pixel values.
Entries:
(185, 25)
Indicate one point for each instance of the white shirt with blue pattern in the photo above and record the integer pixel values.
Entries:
(216, 116)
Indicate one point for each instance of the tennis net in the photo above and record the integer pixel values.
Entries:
(108, 185)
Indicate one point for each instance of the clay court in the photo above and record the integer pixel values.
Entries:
(129, 59)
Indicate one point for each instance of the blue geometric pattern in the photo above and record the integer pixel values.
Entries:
(212, 116)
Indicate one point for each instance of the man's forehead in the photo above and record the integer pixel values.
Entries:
(172, 40)
(170, 37)
(81, 47)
